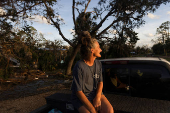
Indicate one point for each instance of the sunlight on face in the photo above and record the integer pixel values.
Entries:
(96, 50)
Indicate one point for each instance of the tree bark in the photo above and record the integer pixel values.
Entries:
(73, 55)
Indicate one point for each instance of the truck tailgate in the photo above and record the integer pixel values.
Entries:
(120, 103)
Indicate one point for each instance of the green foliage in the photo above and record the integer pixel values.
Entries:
(47, 61)
(23, 43)
(1, 74)
(116, 49)
(85, 22)
(158, 48)
(123, 16)
(167, 45)
(67, 59)
(23, 47)
(163, 30)
(5, 70)
(163, 41)
(142, 51)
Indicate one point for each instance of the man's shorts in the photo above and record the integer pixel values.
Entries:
(77, 103)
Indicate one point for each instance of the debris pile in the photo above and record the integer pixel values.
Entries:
(23, 76)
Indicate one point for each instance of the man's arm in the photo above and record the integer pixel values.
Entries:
(85, 101)
(97, 99)
(99, 89)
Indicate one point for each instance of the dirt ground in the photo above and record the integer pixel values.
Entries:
(24, 104)
(25, 98)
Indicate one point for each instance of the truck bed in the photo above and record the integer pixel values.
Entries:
(120, 103)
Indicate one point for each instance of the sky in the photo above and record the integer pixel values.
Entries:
(153, 20)
(146, 33)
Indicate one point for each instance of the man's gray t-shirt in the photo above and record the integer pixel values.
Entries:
(86, 78)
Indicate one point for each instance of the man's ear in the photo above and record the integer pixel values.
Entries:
(92, 50)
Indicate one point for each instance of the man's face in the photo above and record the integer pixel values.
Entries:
(96, 50)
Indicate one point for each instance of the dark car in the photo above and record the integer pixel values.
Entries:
(147, 77)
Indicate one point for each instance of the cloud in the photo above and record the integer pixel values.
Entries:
(42, 20)
(149, 35)
(144, 42)
(2, 12)
(168, 12)
(40, 32)
(39, 19)
(158, 35)
(153, 16)
(49, 33)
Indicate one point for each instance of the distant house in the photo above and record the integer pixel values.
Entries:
(132, 53)
(48, 49)
(14, 62)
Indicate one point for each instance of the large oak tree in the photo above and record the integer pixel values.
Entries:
(122, 16)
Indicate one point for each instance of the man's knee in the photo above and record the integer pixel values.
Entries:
(110, 110)
(106, 106)
(83, 109)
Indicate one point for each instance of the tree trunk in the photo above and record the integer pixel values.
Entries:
(73, 55)
(6, 75)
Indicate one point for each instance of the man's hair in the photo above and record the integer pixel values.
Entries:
(86, 46)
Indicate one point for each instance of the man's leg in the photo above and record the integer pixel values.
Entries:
(106, 107)
(83, 109)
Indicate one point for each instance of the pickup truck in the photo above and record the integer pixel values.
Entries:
(132, 85)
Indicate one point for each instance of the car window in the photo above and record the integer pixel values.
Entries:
(149, 71)
(116, 79)
(144, 80)
(146, 73)
(118, 73)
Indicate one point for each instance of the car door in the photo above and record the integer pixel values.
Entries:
(116, 79)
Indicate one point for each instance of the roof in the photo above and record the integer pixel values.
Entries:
(134, 58)
(149, 59)
(137, 60)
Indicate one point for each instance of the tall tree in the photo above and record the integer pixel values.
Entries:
(15, 12)
(125, 14)
(158, 48)
(164, 31)
(121, 15)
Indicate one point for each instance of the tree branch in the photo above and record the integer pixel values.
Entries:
(101, 22)
(58, 27)
(107, 28)
(24, 10)
(87, 6)
(74, 20)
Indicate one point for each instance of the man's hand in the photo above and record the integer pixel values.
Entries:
(86, 102)
(97, 103)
